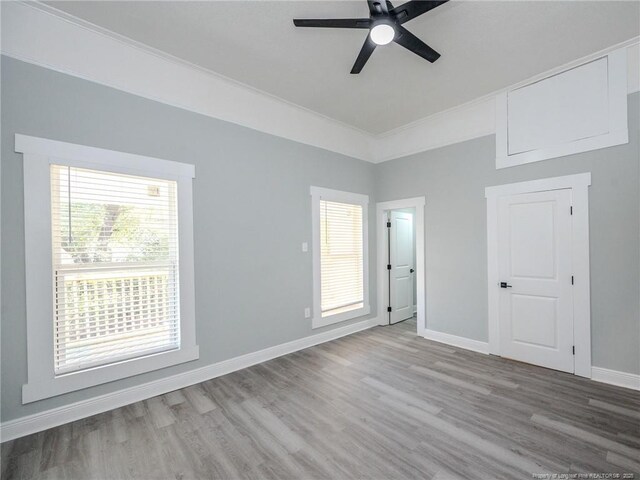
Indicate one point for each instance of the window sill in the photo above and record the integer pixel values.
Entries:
(319, 322)
(41, 388)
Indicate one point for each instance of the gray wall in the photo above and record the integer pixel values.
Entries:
(252, 211)
(453, 179)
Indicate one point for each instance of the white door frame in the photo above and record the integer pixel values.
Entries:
(579, 185)
(381, 224)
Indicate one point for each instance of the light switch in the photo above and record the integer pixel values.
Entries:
(305, 247)
(307, 312)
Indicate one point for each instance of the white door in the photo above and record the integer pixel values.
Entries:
(401, 261)
(534, 264)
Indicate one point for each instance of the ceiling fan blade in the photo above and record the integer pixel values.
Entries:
(378, 7)
(414, 8)
(409, 41)
(365, 52)
(333, 22)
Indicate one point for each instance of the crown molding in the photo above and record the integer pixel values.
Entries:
(471, 120)
(38, 34)
(42, 35)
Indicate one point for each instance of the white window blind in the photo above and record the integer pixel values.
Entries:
(115, 267)
(341, 257)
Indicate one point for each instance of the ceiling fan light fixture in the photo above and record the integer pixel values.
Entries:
(382, 34)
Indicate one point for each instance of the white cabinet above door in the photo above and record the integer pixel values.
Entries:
(580, 109)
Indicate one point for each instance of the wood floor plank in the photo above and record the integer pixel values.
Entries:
(627, 412)
(587, 436)
(395, 345)
(490, 379)
(333, 357)
(400, 395)
(160, 413)
(449, 379)
(472, 441)
(446, 475)
(629, 464)
(289, 440)
(174, 398)
(379, 404)
(199, 399)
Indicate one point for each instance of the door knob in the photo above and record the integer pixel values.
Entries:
(411, 270)
(505, 285)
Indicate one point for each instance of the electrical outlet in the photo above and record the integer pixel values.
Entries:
(307, 312)
(305, 247)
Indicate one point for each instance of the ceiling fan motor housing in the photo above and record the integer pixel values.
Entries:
(385, 26)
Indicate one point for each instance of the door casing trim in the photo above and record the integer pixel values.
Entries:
(579, 185)
(381, 224)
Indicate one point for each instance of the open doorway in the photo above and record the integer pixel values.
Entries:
(401, 285)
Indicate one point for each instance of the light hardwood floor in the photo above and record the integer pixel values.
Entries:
(381, 404)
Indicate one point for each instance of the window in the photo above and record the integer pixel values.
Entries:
(115, 278)
(341, 274)
(340, 256)
(109, 265)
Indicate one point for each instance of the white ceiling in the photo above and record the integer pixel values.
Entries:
(485, 46)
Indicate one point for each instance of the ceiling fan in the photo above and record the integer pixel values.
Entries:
(384, 25)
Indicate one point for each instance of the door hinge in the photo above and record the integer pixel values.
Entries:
(388, 309)
(574, 349)
(388, 224)
(389, 267)
(571, 279)
(571, 210)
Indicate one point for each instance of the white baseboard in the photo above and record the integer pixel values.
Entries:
(615, 377)
(454, 340)
(85, 408)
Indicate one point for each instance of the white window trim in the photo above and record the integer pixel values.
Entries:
(318, 193)
(618, 130)
(38, 155)
(579, 185)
